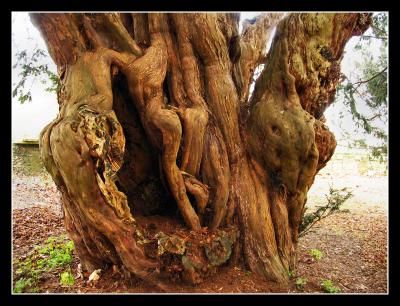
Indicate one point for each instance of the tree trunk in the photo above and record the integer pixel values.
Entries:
(157, 116)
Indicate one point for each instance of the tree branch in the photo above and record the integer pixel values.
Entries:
(370, 79)
(121, 34)
(377, 37)
(64, 47)
(299, 81)
(253, 45)
(373, 26)
(315, 84)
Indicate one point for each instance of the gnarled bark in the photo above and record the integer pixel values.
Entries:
(160, 101)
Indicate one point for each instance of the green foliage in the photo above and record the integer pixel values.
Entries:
(328, 286)
(380, 26)
(317, 254)
(369, 92)
(55, 254)
(67, 279)
(379, 152)
(60, 253)
(32, 69)
(290, 273)
(300, 283)
(335, 200)
(359, 143)
(22, 284)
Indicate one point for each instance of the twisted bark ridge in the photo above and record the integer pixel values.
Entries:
(155, 117)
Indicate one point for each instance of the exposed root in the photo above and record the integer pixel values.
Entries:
(194, 121)
(216, 174)
(198, 190)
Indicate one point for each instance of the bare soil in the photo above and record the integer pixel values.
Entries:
(353, 243)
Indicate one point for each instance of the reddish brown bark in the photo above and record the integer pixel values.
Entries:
(155, 112)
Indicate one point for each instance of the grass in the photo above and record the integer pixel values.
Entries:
(56, 254)
(291, 273)
(328, 286)
(67, 279)
(317, 254)
(60, 254)
(27, 161)
(23, 283)
(300, 283)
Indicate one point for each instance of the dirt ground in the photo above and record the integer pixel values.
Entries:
(352, 243)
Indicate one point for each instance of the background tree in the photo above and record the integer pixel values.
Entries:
(156, 115)
(364, 93)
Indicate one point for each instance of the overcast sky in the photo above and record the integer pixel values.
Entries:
(30, 118)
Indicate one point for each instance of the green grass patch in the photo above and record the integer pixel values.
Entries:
(317, 254)
(328, 286)
(56, 254)
(291, 273)
(67, 279)
(25, 285)
(300, 283)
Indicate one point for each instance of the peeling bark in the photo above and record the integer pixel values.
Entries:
(160, 101)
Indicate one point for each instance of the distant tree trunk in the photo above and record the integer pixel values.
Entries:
(156, 115)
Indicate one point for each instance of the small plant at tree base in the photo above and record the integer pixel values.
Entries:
(56, 253)
(67, 279)
(317, 254)
(22, 284)
(300, 283)
(328, 287)
(335, 200)
(291, 273)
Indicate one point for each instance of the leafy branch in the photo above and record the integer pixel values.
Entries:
(335, 200)
(376, 37)
(31, 67)
(366, 99)
(370, 79)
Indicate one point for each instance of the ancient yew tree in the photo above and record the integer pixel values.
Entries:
(169, 164)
